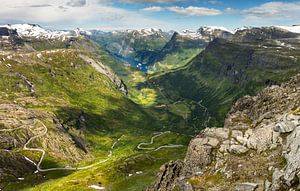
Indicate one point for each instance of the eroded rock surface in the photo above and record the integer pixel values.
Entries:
(108, 72)
(257, 149)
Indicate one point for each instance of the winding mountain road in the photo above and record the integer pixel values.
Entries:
(68, 168)
(43, 133)
(140, 146)
(205, 110)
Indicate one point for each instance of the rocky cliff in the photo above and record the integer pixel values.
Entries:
(101, 68)
(257, 149)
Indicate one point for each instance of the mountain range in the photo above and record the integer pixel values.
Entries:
(87, 109)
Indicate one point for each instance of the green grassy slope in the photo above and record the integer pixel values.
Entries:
(176, 53)
(68, 87)
(227, 70)
(174, 60)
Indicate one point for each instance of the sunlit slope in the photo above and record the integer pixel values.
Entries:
(84, 111)
(227, 70)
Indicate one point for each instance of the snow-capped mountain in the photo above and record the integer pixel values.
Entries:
(148, 32)
(36, 31)
(248, 34)
(189, 34)
(207, 33)
(293, 29)
(136, 47)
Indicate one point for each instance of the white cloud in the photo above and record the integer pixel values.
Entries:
(32, 12)
(153, 9)
(76, 13)
(195, 11)
(192, 11)
(153, 1)
(76, 3)
(274, 11)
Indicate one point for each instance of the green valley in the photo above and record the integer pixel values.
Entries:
(89, 110)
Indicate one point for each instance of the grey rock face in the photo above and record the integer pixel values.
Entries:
(262, 139)
(219, 133)
(285, 178)
(246, 186)
(238, 149)
(108, 72)
(260, 143)
(199, 153)
(288, 124)
(7, 32)
(292, 156)
(168, 177)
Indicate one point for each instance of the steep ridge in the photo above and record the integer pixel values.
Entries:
(181, 47)
(229, 69)
(184, 46)
(260, 34)
(257, 149)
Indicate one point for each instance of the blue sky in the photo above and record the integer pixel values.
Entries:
(136, 14)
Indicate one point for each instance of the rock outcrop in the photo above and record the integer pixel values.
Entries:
(257, 149)
(4, 31)
(108, 72)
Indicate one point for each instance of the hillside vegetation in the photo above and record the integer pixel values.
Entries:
(86, 116)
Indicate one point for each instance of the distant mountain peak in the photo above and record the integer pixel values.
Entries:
(207, 33)
(36, 31)
(142, 32)
(214, 28)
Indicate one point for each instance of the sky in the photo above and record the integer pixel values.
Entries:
(177, 15)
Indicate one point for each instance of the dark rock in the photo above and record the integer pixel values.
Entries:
(7, 32)
(168, 177)
(246, 186)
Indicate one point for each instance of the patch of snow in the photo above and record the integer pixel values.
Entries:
(130, 175)
(97, 187)
(142, 32)
(21, 178)
(150, 31)
(206, 30)
(213, 28)
(190, 34)
(139, 172)
(35, 31)
(294, 29)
